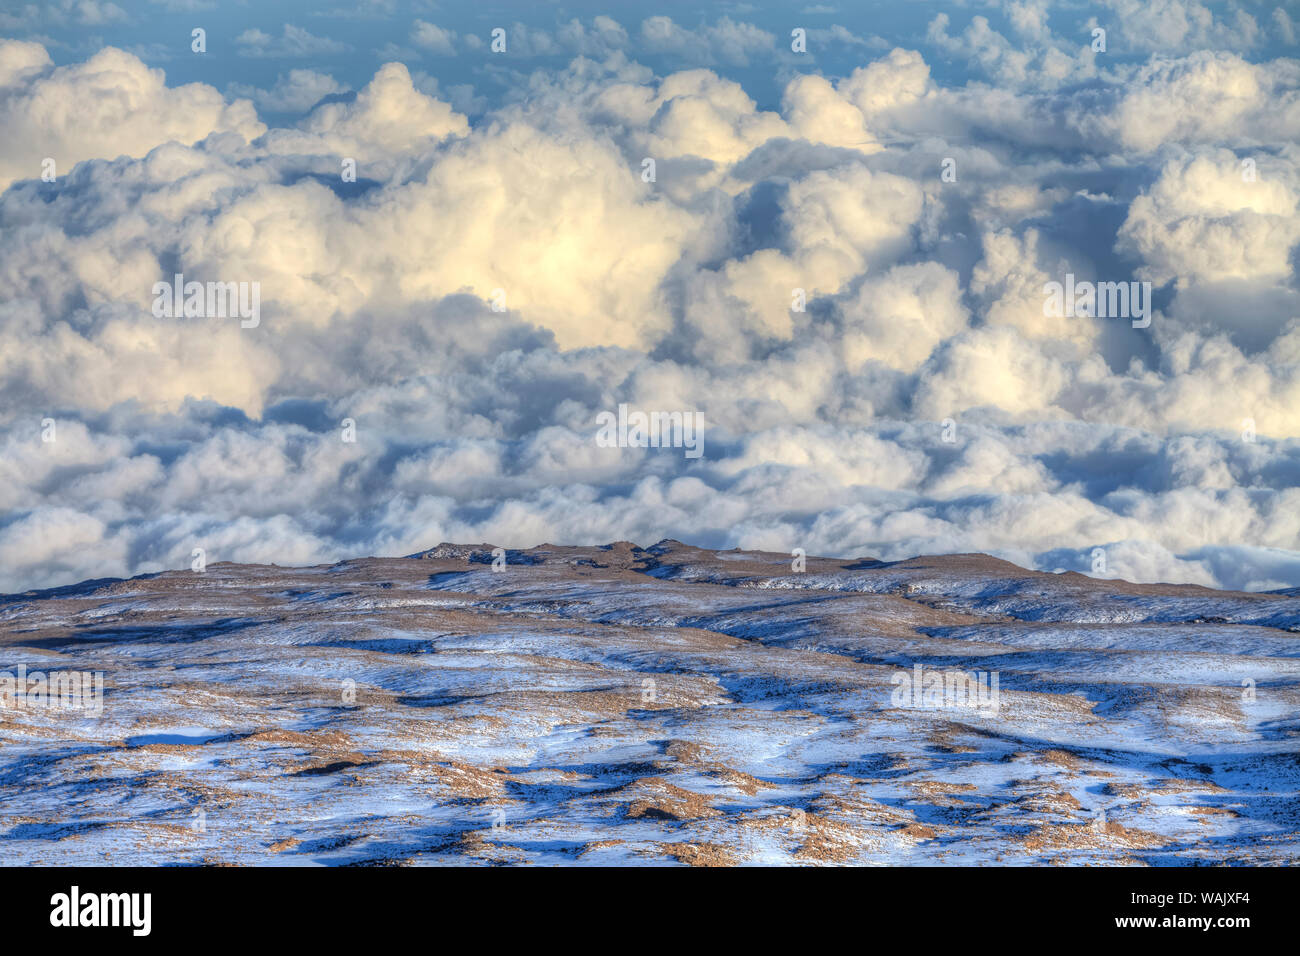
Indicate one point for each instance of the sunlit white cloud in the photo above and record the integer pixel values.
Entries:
(486, 285)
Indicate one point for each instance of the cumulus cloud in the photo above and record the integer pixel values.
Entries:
(727, 40)
(1182, 25)
(435, 39)
(1213, 217)
(1205, 97)
(296, 92)
(1042, 60)
(294, 41)
(388, 116)
(603, 37)
(866, 338)
(111, 105)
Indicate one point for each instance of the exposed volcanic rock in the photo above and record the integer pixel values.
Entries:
(618, 704)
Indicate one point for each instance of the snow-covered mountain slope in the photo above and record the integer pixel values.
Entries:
(612, 705)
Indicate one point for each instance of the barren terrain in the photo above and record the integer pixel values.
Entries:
(662, 705)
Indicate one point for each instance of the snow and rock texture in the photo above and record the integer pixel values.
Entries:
(621, 705)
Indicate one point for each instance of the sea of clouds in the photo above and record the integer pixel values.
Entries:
(825, 431)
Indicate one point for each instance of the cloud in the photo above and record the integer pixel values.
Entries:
(1180, 26)
(111, 105)
(1044, 61)
(1209, 217)
(726, 41)
(185, 6)
(296, 92)
(294, 41)
(1202, 98)
(484, 289)
(388, 116)
(435, 39)
(89, 13)
(605, 37)
(1284, 25)
(838, 34)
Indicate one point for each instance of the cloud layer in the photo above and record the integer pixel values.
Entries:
(482, 291)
